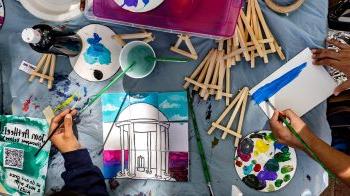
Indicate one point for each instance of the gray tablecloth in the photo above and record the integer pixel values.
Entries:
(306, 27)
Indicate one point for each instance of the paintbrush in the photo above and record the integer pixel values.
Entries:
(300, 139)
(90, 102)
(200, 145)
(166, 59)
(114, 121)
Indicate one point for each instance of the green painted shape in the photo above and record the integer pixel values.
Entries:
(270, 137)
(286, 169)
(286, 178)
(272, 165)
(278, 182)
(282, 157)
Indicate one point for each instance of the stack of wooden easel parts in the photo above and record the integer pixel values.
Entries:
(238, 104)
(143, 36)
(208, 78)
(47, 60)
(252, 37)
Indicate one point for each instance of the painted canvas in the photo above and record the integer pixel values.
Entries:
(297, 85)
(98, 59)
(264, 164)
(21, 172)
(139, 5)
(149, 139)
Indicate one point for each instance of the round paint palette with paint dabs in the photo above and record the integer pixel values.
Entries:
(264, 164)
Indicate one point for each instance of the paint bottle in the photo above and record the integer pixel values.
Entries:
(46, 39)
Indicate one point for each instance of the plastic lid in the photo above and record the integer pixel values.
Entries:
(31, 35)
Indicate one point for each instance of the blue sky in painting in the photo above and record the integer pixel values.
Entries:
(172, 104)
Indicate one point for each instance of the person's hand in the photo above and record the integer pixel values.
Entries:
(64, 138)
(339, 59)
(284, 135)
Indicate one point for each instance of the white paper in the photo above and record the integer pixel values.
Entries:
(310, 88)
(27, 67)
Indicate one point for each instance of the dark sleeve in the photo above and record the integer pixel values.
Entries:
(81, 175)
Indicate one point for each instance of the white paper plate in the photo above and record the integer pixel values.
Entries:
(53, 10)
(2, 13)
(104, 64)
(139, 5)
(259, 148)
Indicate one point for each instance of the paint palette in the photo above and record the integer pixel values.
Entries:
(139, 5)
(99, 58)
(264, 164)
(2, 13)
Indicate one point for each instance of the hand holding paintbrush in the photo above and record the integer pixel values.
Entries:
(291, 130)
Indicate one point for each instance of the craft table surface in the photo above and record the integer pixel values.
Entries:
(307, 27)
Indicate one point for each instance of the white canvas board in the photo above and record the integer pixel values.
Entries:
(312, 86)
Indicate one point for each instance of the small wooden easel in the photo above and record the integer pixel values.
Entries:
(47, 60)
(239, 103)
(252, 35)
(144, 36)
(210, 75)
(192, 52)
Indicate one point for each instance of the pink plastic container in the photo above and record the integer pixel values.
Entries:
(205, 18)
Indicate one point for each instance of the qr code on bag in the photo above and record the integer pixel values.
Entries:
(13, 158)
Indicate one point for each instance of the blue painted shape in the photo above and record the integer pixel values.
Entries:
(145, 2)
(130, 3)
(248, 169)
(268, 90)
(97, 52)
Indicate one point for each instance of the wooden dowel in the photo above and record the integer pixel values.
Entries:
(119, 40)
(46, 67)
(228, 84)
(38, 67)
(135, 35)
(221, 77)
(203, 73)
(198, 69)
(226, 111)
(52, 71)
(235, 112)
(226, 130)
(209, 73)
(241, 119)
(251, 33)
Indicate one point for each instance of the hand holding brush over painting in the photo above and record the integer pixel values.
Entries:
(81, 176)
(336, 58)
(335, 161)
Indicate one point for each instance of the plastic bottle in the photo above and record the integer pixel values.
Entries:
(46, 39)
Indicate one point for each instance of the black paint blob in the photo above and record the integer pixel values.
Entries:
(253, 182)
(98, 74)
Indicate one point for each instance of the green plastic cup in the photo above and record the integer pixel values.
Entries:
(137, 51)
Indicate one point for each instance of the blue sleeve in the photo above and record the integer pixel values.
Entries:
(81, 175)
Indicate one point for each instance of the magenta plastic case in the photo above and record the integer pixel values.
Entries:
(204, 18)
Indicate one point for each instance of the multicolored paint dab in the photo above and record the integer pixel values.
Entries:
(264, 164)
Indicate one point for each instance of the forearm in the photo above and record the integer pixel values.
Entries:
(336, 161)
(81, 175)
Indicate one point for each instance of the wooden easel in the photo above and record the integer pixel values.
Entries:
(143, 36)
(47, 60)
(192, 52)
(238, 104)
(252, 37)
(208, 78)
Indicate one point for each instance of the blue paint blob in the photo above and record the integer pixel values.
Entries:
(130, 3)
(85, 91)
(145, 2)
(248, 169)
(267, 175)
(268, 90)
(278, 145)
(97, 52)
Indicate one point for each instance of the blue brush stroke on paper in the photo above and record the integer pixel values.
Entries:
(268, 90)
(130, 3)
(97, 52)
